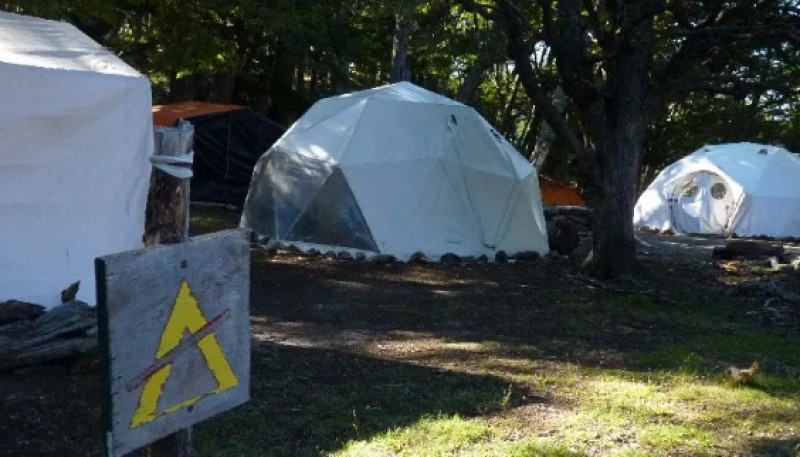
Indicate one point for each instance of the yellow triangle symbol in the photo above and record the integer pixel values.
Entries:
(186, 315)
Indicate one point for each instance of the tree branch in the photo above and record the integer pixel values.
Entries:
(519, 52)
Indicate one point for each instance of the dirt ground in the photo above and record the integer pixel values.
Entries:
(324, 328)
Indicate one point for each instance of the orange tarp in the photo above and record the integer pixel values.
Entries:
(168, 115)
(558, 194)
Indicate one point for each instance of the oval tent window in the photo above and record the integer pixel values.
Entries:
(718, 191)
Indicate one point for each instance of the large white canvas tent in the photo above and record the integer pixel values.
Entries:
(744, 189)
(396, 170)
(75, 138)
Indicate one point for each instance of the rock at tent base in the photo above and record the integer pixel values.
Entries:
(562, 236)
(418, 257)
(384, 258)
(313, 252)
(344, 255)
(331, 255)
(482, 259)
(360, 256)
(501, 257)
(583, 250)
(294, 249)
(526, 256)
(450, 259)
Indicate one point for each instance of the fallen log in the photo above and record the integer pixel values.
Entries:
(65, 332)
(747, 249)
(13, 311)
(60, 349)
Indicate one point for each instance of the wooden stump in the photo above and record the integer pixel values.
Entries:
(167, 221)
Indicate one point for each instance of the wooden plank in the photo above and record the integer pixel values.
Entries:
(175, 322)
(66, 331)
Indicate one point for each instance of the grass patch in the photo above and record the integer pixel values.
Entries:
(357, 359)
(448, 436)
(316, 401)
(628, 375)
(429, 437)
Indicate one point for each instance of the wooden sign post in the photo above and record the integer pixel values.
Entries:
(167, 221)
(174, 329)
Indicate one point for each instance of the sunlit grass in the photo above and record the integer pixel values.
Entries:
(427, 437)
(615, 412)
(446, 436)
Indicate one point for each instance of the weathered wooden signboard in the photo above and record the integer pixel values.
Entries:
(174, 326)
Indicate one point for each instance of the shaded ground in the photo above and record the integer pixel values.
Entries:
(528, 359)
(693, 246)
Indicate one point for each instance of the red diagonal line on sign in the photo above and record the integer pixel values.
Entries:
(169, 357)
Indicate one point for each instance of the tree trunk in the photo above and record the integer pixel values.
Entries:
(473, 80)
(222, 87)
(507, 120)
(547, 136)
(183, 89)
(620, 148)
(614, 247)
(489, 54)
(401, 67)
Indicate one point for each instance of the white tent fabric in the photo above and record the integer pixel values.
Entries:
(75, 138)
(744, 189)
(396, 170)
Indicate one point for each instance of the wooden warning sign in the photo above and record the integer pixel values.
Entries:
(174, 323)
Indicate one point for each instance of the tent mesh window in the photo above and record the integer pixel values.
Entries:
(333, 218)
(284, 183)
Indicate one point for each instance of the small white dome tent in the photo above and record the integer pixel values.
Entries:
(75, 138)
(396, 170)
(744, 189)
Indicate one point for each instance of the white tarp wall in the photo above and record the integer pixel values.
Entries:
(75, 139)
(397, 170)
(744, 189)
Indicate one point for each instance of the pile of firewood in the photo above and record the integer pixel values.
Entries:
(31, 335)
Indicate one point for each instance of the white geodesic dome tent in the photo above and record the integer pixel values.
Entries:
(744, 189)
(396, 170)
(75, 139)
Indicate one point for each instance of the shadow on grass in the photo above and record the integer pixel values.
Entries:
(775, 447)
(538, 310)
(508, 304)
(48, 412)
(307, 402)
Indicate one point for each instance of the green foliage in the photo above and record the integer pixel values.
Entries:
(279, 56)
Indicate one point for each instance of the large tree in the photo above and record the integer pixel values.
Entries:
(622, 64)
